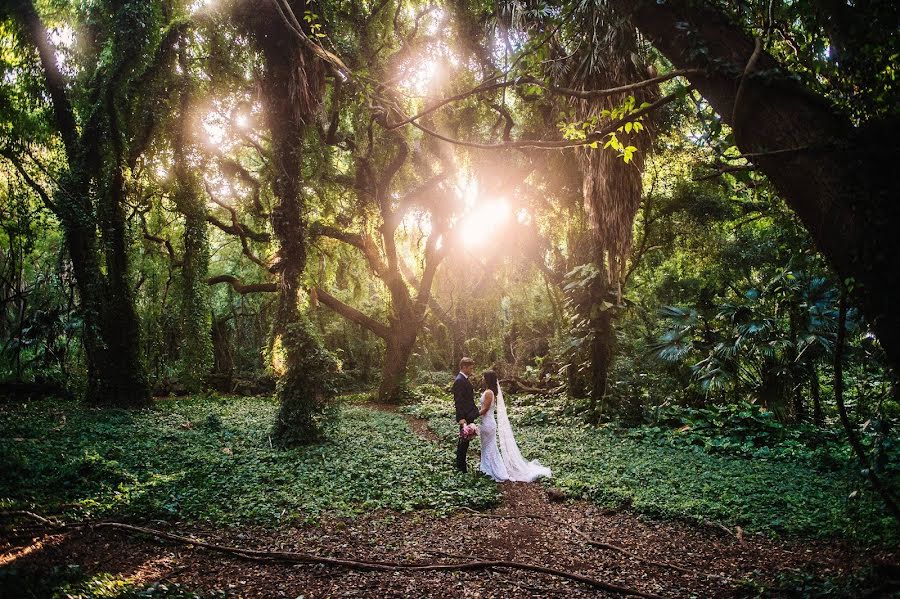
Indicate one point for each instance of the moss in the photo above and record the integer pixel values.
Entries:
(306, 389)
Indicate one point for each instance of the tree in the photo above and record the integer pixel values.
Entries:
(101, 144)
(837, 177)
(293, 86)
(407, 306)
(611, 175)
(196, 342)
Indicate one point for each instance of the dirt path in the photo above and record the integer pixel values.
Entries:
(526, 527)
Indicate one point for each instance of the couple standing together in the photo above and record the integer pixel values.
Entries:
(500, 463)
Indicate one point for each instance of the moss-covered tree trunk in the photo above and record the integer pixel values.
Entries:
(293, 85)
(90, 196)
(611, 186)
(76, 215)
(195, 317)
(123, 380)
(838, 179)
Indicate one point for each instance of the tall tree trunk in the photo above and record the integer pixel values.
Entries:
(223, 354)
(399, 347)
(602, 347)
(839, 181)
(81, 247)
(611, 187)
(855, 443)
(293, 85)
(196, 320)
(94, 154)
(123, 380)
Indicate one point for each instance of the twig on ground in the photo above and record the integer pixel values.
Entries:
(31, 516)
(721, 526)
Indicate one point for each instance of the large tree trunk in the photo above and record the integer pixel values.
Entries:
(122, 380)
(399, 347)
(839, 181)
(81, 246)
(293, 84)
(95, 170)
(196, 341)
(602, 347)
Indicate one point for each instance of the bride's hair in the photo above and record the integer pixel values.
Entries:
(490, 381)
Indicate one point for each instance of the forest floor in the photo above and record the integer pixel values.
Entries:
(618, 546)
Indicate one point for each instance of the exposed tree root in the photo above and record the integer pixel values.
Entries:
(366, 565)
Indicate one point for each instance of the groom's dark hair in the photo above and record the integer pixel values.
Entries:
(466, 362)
(490, 380)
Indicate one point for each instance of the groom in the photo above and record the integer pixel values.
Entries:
(466, 412)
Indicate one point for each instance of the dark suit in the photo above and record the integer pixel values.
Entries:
(464, 401)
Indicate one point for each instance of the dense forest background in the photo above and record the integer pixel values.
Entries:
(186, 185)
(677, 218)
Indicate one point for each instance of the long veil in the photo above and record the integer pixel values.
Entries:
(516, 466)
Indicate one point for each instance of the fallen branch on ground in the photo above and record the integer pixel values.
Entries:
(366, 565)
(32, 516)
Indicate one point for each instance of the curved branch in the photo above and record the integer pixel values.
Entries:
(352, 314)
(757, 50)
(594, 137)
(160, 240)
(63, 114)
(240, 287)
(365, 565)
(491, 84)
(287, 15)
(359, 241)
(42, 193)
(239, 230)
(592, 94)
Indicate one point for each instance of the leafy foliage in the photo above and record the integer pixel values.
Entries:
(306, 388)
(764, 477)
(212, 459)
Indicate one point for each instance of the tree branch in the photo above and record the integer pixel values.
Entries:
(362, 242)
(240, 287)
(365, 565)
(352, 314)
(594, 137)
(849, 429)
(160, 240)
(42, 193)
(63, 114)
(238, 229)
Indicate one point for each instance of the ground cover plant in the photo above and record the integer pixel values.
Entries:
(669, 228)
(209, 458)
(780, 491)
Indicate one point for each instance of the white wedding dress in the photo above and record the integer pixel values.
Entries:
(505, 462)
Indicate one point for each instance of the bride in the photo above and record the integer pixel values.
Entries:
(505, 463)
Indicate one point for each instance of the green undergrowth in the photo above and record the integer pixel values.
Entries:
(212, 459)
(785, 491)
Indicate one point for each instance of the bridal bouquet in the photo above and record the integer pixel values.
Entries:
(468, 431)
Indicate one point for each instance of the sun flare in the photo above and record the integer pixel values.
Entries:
(484, 221)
